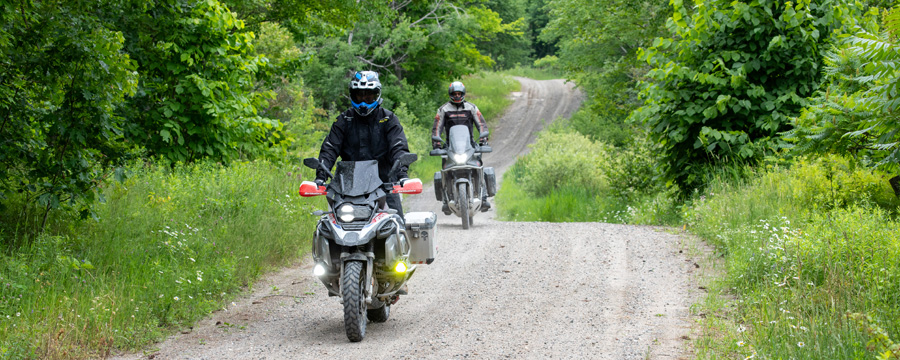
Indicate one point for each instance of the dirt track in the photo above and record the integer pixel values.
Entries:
(497, 290)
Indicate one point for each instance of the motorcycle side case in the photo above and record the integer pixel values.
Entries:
(420, 229)
(438, 186)
(490, 181)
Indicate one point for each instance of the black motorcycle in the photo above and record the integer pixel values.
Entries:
(365, 252)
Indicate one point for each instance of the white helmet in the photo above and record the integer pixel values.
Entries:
(457, 86)
(365, 92)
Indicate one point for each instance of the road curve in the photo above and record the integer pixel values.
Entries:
(523, 290)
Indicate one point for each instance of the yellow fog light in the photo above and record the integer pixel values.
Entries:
(400, 268)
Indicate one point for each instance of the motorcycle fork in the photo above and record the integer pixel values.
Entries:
(365, 252)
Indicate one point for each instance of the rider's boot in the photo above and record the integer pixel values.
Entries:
(485, 205)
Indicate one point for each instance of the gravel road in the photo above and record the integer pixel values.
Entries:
(498, 290)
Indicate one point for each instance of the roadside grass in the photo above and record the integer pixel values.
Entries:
(170, 245)
(812, 270)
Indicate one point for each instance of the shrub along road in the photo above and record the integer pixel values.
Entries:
(499, 289)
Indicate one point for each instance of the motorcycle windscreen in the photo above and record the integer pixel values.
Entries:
(459, 139)
(356, 178)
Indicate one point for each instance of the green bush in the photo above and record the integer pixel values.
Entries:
(632, 173)
(564, 158)
(549, 62)
(834, 181)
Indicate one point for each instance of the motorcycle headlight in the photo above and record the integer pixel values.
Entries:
(345, 213)
(348, 213)
(459, 158)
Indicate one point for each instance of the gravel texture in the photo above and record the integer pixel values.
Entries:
(498, 290)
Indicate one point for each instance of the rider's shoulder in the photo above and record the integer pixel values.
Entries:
(448, 106)
(346, 116)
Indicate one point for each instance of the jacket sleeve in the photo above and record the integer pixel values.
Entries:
(480, 123)
(398, 143)
(331, 147)
(438, 122)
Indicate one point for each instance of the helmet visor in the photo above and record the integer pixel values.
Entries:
(457, 96)
(364, 96)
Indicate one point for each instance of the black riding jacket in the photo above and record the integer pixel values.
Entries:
(378, 136)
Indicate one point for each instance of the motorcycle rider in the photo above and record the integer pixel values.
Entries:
(458, 111)
(366, 131)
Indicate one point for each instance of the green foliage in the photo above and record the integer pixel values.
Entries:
(170, 245)
(598, 43)
(563, 158)
(537, 19)
(857, 113)
(62, 77)
(566, 204)
(833, 181)
(729, 78)
(421, 44)
(503, 27)
(301, 17)
(798, 267)
(196, 97)
(604, 126)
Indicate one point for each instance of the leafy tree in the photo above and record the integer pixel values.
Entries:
(503, 25)
(537, 19)
(196, 97)
(598, 43)
(63, 74)
(303, 18)
(420, 44)
(857, 113)
(730, 78)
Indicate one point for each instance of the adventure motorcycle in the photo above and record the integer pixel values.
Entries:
(365, 252)
(463, 182)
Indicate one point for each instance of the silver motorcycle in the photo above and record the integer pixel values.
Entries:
(464, 181)
(365, 252)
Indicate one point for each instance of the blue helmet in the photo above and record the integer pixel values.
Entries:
(365, 92)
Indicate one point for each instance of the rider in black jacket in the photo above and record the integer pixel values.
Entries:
(366, 131)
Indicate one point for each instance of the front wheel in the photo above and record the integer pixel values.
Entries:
(463, 201)
(352, 290)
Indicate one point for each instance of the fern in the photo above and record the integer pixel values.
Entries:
(858, 112)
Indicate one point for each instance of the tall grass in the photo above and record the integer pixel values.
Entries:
(169, 246)
(801, 258)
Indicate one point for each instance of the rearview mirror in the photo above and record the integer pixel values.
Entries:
(311, 163)
(408, 158)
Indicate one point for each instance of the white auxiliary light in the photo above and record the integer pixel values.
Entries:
(319, 270)
(346, 213)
